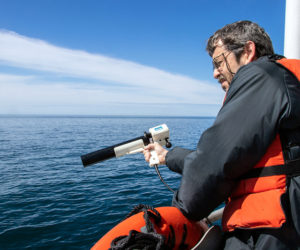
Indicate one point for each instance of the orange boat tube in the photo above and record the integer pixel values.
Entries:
(171, 224)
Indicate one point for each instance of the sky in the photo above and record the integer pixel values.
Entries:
(118, 57)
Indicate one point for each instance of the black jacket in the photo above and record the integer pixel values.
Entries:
(262, 101)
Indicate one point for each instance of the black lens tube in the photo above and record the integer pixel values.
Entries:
(109, 152)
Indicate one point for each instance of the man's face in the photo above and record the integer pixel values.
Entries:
(225, 65)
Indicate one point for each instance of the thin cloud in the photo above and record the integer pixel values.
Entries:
(116, 79)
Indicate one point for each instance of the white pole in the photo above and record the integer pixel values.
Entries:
(292, 29)
(216, 215)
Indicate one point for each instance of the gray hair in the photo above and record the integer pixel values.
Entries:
(234, 37)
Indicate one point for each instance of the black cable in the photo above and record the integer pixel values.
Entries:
(162, 180)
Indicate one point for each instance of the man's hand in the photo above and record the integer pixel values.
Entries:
(161, 152)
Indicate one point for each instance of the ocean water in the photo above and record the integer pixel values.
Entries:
(48, 200)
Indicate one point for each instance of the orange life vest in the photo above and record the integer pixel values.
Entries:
(256, 201)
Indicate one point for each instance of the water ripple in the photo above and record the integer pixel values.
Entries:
(48, 200)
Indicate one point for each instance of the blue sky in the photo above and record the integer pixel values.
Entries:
(118, 57)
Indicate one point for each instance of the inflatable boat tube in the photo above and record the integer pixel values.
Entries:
(172, 224)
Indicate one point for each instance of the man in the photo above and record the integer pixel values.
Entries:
(249, 158)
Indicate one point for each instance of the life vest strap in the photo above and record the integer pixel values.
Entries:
(291, 169)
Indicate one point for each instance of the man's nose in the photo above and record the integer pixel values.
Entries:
(216, 73)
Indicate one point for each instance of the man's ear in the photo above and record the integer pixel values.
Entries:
(249, 52)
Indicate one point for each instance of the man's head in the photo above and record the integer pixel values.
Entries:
(235, 45)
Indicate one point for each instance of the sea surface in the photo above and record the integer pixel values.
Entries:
(48, 200)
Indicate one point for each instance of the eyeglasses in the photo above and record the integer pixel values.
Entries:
(217, 63)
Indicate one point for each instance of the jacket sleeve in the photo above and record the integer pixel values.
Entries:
(175, 159)
(244, 128)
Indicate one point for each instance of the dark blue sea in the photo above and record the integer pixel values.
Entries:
(50, 201)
